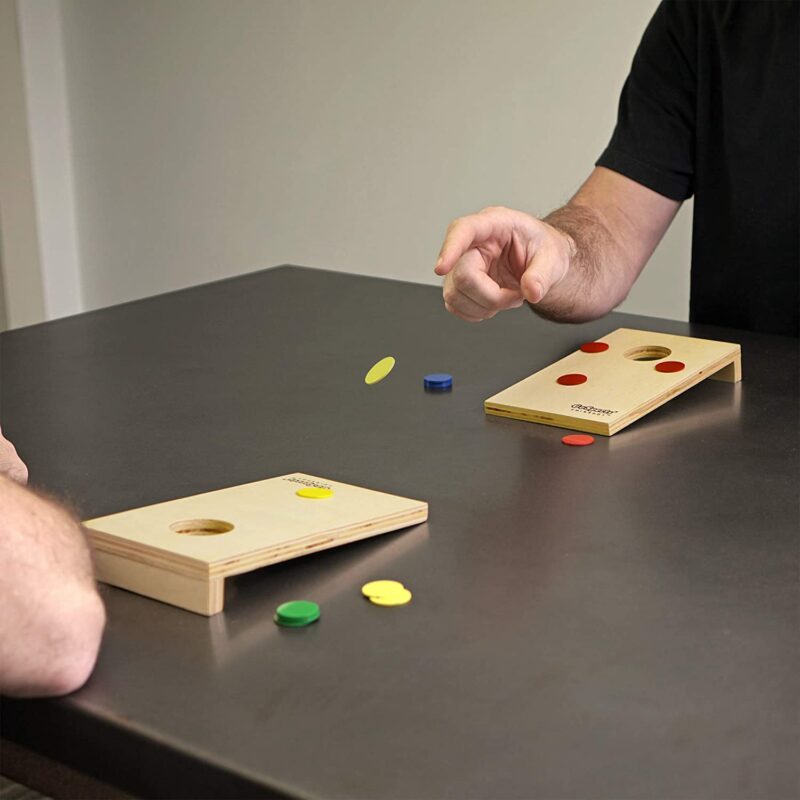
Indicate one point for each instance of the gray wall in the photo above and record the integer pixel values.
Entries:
(213, 138)
(3, 323)
(21, 284)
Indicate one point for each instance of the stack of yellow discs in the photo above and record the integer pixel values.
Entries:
(386, 593)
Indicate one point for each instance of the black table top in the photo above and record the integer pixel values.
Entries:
(612, 621)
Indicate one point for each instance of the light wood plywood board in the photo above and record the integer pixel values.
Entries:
(619, 389)
(144, 550)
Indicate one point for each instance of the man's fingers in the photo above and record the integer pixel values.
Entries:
(456, 313)
(470, 277)
(462, 305)
(466, 308)
(471, 294)
(462, 234)
(458, 239)
(468, 305)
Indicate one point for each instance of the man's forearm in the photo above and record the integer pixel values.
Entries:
(53, 617)
(592, 285)
(613, 224)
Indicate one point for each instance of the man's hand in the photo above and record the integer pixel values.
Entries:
(499, 258)
(574, 265)
(11, 465)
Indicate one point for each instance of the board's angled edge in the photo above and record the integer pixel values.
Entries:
(691, 380)
(251, 562)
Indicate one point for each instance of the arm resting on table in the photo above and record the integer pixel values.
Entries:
(53, 618)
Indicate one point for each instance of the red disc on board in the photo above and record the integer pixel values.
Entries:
(594, 347)
(578, 439)
(572, 379)
(670, 366)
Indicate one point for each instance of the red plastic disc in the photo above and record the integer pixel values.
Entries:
(578, 439)
(670, 366)
(594, 347)
(572, 379)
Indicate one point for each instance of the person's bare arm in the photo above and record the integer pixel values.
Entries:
(576, 264)
(52, 616)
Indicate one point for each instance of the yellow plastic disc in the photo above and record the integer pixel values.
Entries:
(380, 588)
(397, 598)
(380, 370)
(314, 492)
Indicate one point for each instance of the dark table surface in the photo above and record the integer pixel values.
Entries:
(617, 621)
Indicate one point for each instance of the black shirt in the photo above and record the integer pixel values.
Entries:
(710, 108)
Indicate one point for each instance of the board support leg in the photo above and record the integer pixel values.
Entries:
(731, 373)
(202, 595)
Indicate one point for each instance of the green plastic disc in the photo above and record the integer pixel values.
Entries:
(296, 613)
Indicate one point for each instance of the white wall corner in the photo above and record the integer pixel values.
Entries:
(42, 52)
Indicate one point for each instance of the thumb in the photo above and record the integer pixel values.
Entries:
(546, 269)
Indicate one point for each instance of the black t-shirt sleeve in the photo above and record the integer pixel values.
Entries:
(654, 140)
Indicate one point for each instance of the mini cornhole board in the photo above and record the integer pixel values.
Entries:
(181, 551)
(622, 383)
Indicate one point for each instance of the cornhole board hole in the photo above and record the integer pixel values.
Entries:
(181, 551)
(608, 388)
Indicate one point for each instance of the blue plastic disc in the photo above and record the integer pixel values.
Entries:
(438, 380)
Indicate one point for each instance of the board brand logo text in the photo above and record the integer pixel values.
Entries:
(309, 482)
(601, 412)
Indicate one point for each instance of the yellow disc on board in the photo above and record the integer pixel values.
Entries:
(396, 598)
(314, 492)
(380, 588)
(379, 371)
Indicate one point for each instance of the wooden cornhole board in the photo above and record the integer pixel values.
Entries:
(619, 388)
(181, 551)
